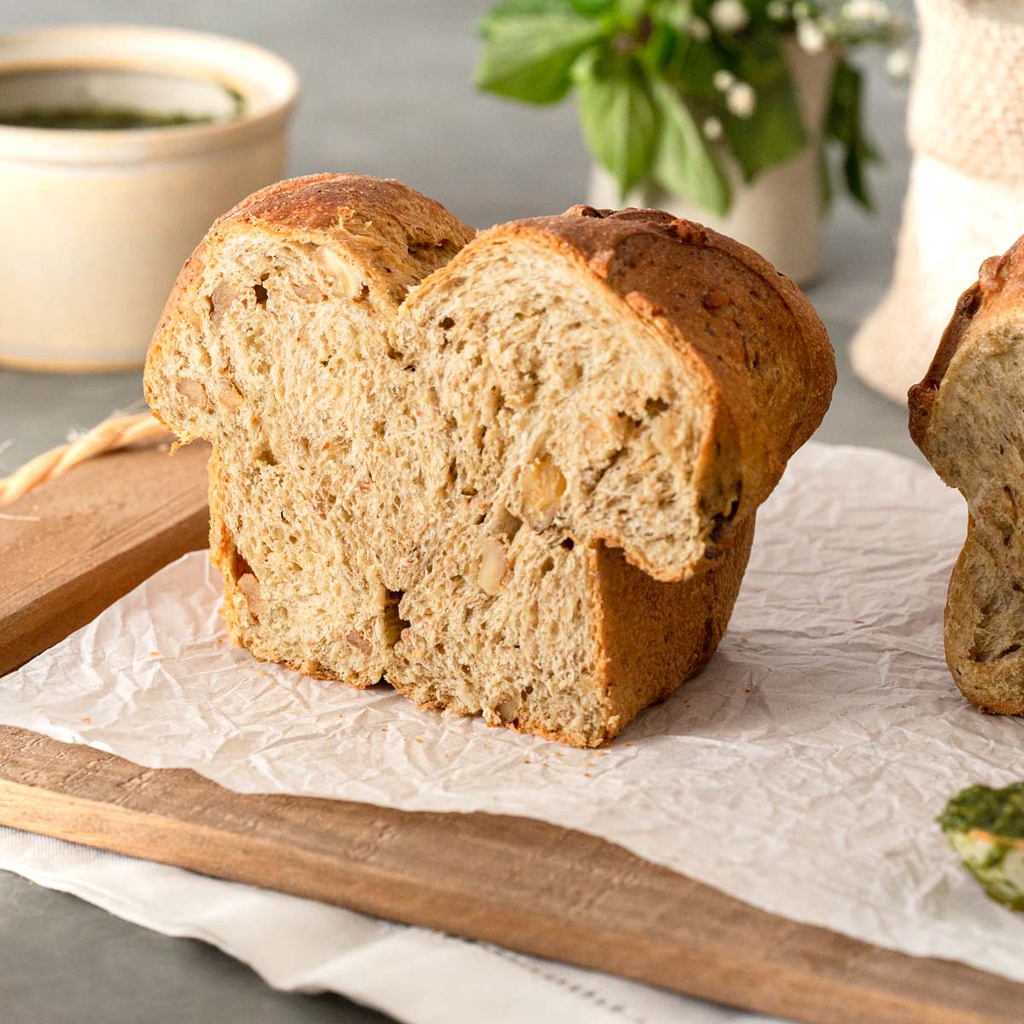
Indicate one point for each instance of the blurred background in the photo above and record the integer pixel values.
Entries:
(387, 89)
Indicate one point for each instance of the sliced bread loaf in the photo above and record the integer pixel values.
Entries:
(966, 416)
(514, 474)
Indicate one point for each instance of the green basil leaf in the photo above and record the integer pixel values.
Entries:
(773, 134)
(592, 8)
(660, 47)
(759, 57)
(684, 162)
(671, 12)
(528, 54)
(618, 116)
(692, 68)
(632, 9)
(844, 122)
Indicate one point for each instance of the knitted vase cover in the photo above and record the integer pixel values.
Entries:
(965, 201)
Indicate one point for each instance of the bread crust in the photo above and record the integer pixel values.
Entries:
(653, 636)
(985, 660)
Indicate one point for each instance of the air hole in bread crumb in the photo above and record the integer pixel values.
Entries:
(393, 621)
(655, 407)
(547, 565)
(261, 294)
(568, 543)
(446, 324)
(507, 524)
(239, 566)
(266, 456)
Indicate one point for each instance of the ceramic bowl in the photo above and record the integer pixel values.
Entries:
(96, 223)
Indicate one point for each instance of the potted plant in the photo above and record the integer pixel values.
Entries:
(722, 110)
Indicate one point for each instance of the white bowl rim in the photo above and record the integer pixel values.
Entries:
(267, 83)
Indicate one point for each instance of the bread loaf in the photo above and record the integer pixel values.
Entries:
(512, 474)
(966, 417)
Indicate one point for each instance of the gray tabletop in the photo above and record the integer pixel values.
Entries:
(387, 91)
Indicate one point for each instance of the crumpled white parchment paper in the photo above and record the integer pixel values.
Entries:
(801, 772)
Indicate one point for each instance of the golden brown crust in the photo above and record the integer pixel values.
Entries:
(921, 397)
(654, 636)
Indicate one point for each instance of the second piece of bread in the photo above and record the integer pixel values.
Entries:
(966, 417)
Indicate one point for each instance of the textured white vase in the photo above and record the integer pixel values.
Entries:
(965, 201)
(780, 213)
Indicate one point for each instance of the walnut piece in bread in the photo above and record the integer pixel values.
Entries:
(512, 474)
(966, 417)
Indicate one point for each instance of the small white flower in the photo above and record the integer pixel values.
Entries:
(723, 79)
(741, 99)
(729, 15)
(700, 30)
(713, 129)
(809, 36)
(778, 10)
(867, 10)
(898, 63)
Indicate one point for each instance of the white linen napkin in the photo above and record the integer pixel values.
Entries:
(417, 976)
(801, 772)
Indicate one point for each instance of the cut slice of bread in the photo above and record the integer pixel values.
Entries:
(966, 417)
(512, 474)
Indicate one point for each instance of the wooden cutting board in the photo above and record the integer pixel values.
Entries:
(87, 538)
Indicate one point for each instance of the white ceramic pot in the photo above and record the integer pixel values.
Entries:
(95, 224)
(780, 213)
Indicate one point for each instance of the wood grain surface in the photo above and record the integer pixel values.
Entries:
(516, 882)
(75, 545)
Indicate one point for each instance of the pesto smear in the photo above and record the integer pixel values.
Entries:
(998, 811)
(986, 828)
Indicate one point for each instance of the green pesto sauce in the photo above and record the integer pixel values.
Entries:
(997, 811)
(94, 118)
